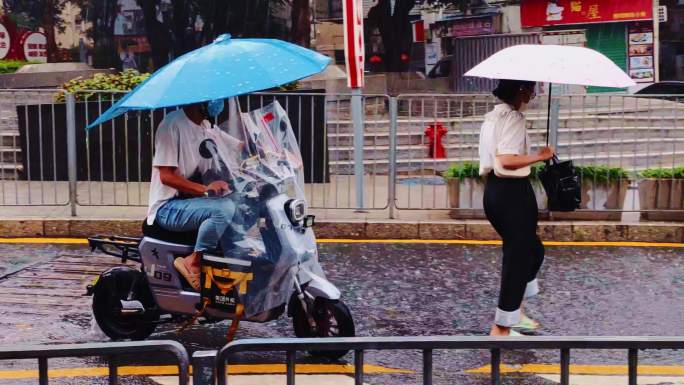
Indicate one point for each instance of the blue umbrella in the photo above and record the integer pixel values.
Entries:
(225, 68)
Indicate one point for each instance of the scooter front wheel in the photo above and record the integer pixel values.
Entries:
(332, 318)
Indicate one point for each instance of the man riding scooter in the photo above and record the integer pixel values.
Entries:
(184, 147)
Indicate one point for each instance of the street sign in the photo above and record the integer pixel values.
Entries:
(5, 41)
(352, 11)
(34, 46)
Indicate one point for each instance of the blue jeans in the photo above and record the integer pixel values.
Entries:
(210, 216)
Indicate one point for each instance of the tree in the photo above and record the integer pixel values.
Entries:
(395, 28)
(395, 32)
(181, 22)
(52, 10)
(102, 15)
(301, 22)
(158, 35)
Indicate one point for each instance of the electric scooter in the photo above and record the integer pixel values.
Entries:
(271, 259)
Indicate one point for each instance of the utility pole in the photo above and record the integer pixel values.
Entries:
(354, 55)
(656, 40)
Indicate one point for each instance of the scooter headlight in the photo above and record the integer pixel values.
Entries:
(295, 210)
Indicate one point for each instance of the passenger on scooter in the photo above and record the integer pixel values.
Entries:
(186, 145)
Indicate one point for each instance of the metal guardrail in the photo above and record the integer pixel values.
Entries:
(211, 367)
(47, 158)
(429, 344)
(597, 131)
(110, 350)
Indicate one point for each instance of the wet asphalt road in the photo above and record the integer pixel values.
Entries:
(392, 290)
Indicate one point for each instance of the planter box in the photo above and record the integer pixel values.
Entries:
(662, 194)
(467, 195)
(596, 198)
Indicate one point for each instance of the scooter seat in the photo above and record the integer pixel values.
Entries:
(155, 231)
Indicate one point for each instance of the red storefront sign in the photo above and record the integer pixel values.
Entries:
(537, 13)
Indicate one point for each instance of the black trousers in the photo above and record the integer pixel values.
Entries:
(511, 208)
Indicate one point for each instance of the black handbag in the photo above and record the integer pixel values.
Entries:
(562, 185)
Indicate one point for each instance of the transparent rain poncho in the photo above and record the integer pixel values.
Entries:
(269, 163)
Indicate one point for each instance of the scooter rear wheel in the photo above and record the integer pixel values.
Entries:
(116, 285)
(332, 318)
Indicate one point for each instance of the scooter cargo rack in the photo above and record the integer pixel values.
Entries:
(125, 248)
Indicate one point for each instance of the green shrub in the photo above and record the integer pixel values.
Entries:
(663, 173)
(472, 170)
(122, 81)
(462, 170)
(288, 87)
(11, 66)
(602, 173)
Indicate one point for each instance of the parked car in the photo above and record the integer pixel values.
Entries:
(669, 87)
(442, 69)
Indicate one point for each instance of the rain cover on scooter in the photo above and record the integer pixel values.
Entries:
(269, 164)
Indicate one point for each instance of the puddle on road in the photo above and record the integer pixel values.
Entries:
(14, 257)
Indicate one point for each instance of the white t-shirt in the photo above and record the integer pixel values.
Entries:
(502, 132)
(182, 144)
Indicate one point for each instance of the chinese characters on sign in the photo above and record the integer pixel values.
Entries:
(465, 27)
(640, 52)
(5, 42)
(536, 13)
(35, 47)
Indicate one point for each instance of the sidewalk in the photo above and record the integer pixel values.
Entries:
(337, 224)
(413, 221)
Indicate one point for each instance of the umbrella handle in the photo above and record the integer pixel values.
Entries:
(548, 116)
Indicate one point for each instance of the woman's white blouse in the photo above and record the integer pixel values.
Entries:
(502, 132)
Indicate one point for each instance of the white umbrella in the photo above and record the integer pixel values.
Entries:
(553, 64)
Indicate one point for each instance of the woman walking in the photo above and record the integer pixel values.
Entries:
(510, 203)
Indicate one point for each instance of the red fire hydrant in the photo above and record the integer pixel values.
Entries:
(435, 132)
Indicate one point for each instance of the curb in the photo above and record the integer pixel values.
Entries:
(657, 232)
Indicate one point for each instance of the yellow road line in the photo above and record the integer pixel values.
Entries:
(482, 242)
(604, 370)
(170, 370)
(313, 369)
(66, 241)
(80, 241)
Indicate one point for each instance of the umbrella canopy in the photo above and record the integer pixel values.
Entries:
(553, 64)
(225, 68)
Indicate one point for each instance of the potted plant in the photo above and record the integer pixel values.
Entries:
(604, 190)
(465, 189)
(662, 189)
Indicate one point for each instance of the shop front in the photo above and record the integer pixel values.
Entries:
(621, 30)
(443, 32)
